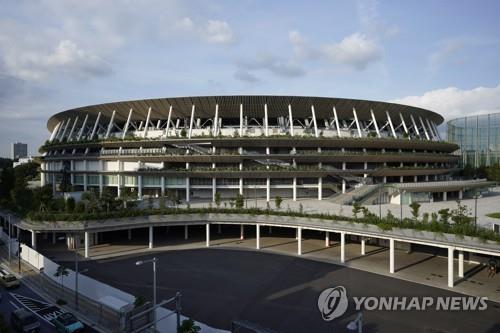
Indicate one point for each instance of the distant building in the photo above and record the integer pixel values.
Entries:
(19, 150)
(478, 138)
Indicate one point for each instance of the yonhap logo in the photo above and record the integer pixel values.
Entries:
(332, 303)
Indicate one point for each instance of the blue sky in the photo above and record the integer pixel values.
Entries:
(55, 54)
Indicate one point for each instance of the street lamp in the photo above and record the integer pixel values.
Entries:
(356, 323)
(475, 210)
(142, 262)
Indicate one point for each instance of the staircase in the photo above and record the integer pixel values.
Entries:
(356, 194)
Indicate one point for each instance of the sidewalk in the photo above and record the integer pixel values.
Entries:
(33, 280)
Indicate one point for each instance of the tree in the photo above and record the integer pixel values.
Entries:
(183, 132)
(70, 205)
(172, 195)
(162, 202)
(217, 199)
(65, 185)
(189, 326)
(90, 200)
(460, 215)
(107, 199)
(356, 209)
(415, 207)
(43, 197)
(239, 201)
(61, 272)
(444, 215)
(277, 202)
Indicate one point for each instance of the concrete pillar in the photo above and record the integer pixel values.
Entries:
(401, 179)
(343, 185)
(391, 255)
(460, 264)
(162, 186)
(207, 233)
(129, 234)
(33, 239)
(320, 188)
(363, 246)
(214, 189)
(270, 230)
(294, 188)
(445, 196)
(242, 231)
(186, 232)
(342, 246)
(139, 187)
(268, 189)
(187, 190)
(460, 195)
(327, 239)
(241, 184)
(257, 236)
(450, 267)
(219, 228)
(53, 237)
(299, 241)
(384, 179)
(151, 237)
(86, 244)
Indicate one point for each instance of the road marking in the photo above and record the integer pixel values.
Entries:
(43, 310)
(14, 305)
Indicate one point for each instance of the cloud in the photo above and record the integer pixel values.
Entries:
(356, 50)
(29, 64)
(445, 51)
(184, 23)
(218, 32)
(452, 102)
(243, 75)
(371, 22)
(269, 63)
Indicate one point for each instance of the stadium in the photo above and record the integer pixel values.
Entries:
(199, 148)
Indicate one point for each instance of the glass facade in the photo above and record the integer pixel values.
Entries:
(478, 138)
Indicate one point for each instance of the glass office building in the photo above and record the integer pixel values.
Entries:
(478, 138)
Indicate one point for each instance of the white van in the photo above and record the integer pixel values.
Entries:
(8, 280)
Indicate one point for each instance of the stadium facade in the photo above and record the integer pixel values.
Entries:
(478, 138)
(256, 146)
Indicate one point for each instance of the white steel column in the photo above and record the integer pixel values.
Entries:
(70, 135)
(242, 232)
(266, 126)
(299, 241)
(162, 186)
(268, 189)
(423, 127)
(146, 125)
(335, 117)
(342, 246)
(375, 123)
(65, 129)
(357, 122)
(391, 255)
(450, 267)
(33, 238)
(257, 236)
(214, 189)
(86, 244)
(125, 128)
(110, 125)
(290, 116)
(415, 127)
(363, 246)
(404, 125)
(82, 129)
(434, 136)
(327, 239)
(316, 134)
(150, 237)
(216, 120)
(169, 119)
(207, 234)
(460, 264)
(94, 129)
(320, 188)
(187, 190)
(139, 187)
(436, 130)
(54, 132)
(294, 189)
(191, 121)
(241, 186)
(241, 119)
(186, 232)
(390, 124)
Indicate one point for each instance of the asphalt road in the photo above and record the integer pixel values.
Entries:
(280, 292)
